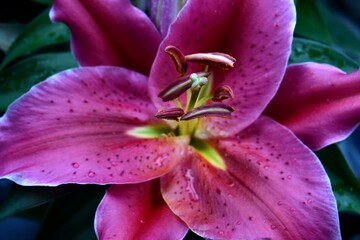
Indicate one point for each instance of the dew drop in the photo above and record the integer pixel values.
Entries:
(266, 167)
(231, 184)
(91, 174)
(75, 165)
(279, 203)
(159, 160)
(309, 201)
(289, 177)
(190, 185)
(273, 226)
(221, 232)
(113, 163)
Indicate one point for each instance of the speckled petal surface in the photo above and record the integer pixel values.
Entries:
(72, 128)
(318, 102)
(109, 32)
(273, 188)
(257, 33)
(137, 211)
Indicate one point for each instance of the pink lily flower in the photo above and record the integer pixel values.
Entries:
(229, 172)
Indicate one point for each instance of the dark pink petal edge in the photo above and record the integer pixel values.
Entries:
(257, 33)
(109, 32)
(137, 211)
(273, 187)
(73, 127)
(318, 102)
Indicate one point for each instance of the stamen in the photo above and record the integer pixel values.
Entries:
(179, 86)
(222, 93)
(170, 114)
(175, 89)
(178, 59)
(216, 59)
(209, 110)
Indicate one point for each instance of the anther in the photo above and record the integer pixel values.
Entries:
(222, 93)
(178, 59)
(209, 110)
(175, 89)
(215, 59)
(170, 114)
(179, 86)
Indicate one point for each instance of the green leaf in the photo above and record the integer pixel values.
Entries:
(72, 216)
(8, 33)
(344, 33)
(39, 33)
(20, 77)
(317, 22)
(344, 184)
(306, 50)
(22, 198)
(45, 2)
(310, 23)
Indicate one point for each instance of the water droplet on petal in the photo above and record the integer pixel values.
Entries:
(75, 165)
(289, 177)
(273, 226)
(91, 174)
(221, 232)
(190, 185)
(159, 160)
(113, 163)
(279, 203)
(309, 201)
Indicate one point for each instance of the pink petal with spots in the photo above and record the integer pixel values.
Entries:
(137, 211)
(163, 13)
(72, 128)
(274, 187)
(257, 33)
(109, 32)
(318, 102)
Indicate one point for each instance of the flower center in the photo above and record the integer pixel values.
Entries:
(199, 102)
(197, 85)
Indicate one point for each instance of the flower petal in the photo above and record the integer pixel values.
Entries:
(273, 187)
(109, 33)
(318, 102)
(137, 211)
(258, 34)
(73, 128)
(163, 13)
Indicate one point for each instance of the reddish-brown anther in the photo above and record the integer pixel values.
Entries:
(215, 59)
(209, 110)
(170, 114)
(222, 93)
(178, 59)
